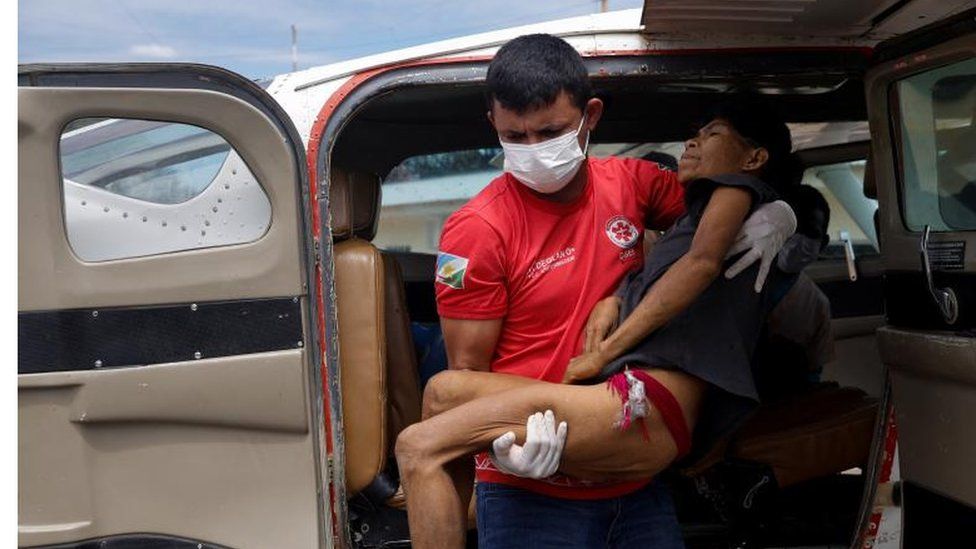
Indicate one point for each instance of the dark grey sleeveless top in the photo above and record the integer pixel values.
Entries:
(715, 337)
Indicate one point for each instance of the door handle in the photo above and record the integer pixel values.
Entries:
(945, 298)
(849, 255)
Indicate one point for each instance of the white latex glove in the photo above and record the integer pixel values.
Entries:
(539, 457)
(763, 234)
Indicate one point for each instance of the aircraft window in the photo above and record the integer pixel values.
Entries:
(421, 192)
(938, 147)
(842, 186)
(134, 188)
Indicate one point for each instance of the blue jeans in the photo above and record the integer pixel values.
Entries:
(512, 517)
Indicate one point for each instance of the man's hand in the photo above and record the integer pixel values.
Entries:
(602, 321)
(763, 234)
(585, 366)
(539, 457)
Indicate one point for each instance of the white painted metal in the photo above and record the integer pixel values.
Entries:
(671, 25)
(304, 93)
(837, 18)
(873, 19)
(102, 225)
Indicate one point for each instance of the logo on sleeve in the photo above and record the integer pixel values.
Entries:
(622, 232)
(451, 270)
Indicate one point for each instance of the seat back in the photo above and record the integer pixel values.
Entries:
(378, 365)
(361, 312)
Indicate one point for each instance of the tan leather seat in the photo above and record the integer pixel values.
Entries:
(360, 299)
(402, 378)
(378, 365)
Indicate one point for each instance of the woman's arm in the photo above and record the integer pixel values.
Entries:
(677, 288)
(601, 322)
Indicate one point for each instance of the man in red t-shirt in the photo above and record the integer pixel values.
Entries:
(523, 263)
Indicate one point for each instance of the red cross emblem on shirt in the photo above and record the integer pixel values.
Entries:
(622, 232)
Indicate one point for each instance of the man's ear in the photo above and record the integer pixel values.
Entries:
(594, 110)
(756, 160)
(491, 119)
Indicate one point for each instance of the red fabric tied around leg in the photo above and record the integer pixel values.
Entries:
(662, 399)
(621, 385)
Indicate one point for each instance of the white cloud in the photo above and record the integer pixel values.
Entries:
(157, 51)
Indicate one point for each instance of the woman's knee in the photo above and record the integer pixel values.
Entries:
(413, 448)
(443, 392)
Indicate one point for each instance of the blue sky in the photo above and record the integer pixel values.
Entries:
(253, 37)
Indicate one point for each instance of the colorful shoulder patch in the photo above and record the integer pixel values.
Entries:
(451, 270)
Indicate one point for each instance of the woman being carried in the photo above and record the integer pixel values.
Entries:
(678, 363)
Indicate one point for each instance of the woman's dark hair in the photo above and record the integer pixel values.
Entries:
(530, 71)
(759, 123)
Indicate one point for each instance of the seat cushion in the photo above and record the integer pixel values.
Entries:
(811, 435)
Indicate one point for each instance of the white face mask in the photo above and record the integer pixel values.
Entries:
(549, 166)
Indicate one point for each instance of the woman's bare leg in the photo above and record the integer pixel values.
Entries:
(452, 388)
(595, 450)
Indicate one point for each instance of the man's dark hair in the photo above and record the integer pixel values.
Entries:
(530, 71)
(760, 124)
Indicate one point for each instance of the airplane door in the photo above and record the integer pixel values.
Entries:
(922, 111)
(168, 386)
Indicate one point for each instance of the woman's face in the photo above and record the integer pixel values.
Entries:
(716, 149)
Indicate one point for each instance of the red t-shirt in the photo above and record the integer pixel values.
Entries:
(542, 266)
